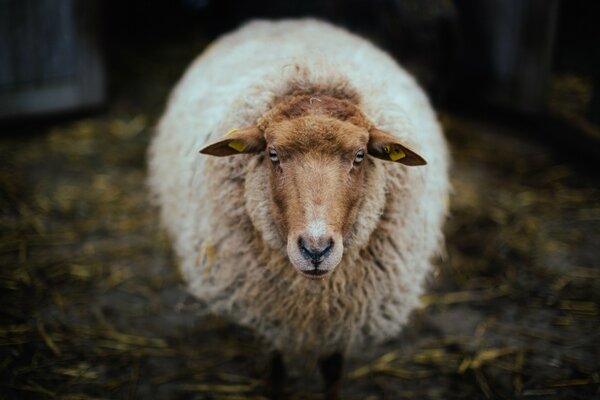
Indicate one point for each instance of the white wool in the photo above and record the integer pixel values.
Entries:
(216, 210)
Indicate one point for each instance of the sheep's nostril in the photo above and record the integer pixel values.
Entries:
(316, 251)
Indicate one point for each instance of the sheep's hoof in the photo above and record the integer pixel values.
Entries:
(331, 370)
(276, 377)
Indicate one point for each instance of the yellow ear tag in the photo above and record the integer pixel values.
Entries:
(386, 148)
(234, 130)
(397, 154)
(237, 145)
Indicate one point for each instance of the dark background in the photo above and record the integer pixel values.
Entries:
(93, 307)
(533, 61)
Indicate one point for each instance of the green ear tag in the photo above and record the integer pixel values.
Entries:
(397, 154)
(237, 145)
(234, 130)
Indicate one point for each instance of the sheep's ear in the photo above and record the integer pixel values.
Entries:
(387, 147)
(242, 141)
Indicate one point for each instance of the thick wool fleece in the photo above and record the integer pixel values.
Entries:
(216, 210)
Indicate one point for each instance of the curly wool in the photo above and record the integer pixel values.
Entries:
(216, 210)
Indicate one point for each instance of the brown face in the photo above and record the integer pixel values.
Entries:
(314, 148)
(316, 176)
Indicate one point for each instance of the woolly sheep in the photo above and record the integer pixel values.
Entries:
(223, 214)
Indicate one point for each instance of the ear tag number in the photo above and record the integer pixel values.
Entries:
(237, 145)
(394, 152)
(234, 130)
(397, 154)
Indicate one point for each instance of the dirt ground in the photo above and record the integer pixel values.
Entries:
(92, 306)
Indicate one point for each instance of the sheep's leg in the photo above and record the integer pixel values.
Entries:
(331, 369)
(276, 377)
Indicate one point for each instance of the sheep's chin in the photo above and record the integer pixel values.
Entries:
(304, 267)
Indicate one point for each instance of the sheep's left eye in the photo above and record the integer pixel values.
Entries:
(273, 155)
(359, 157)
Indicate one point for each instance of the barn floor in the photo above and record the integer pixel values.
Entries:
(92, 307)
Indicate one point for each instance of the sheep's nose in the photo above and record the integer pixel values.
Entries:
(315, 250)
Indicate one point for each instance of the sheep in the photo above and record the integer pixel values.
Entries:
(316, 209)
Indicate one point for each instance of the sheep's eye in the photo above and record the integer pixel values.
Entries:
(273, 155)
(360, 155)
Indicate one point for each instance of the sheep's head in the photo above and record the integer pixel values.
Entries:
(315, 150)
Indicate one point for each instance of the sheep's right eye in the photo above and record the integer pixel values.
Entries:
(360, 155)
(273, 155)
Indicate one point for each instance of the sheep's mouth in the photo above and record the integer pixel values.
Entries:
(315, 273)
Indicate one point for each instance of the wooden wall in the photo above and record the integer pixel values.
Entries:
(50, 58)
